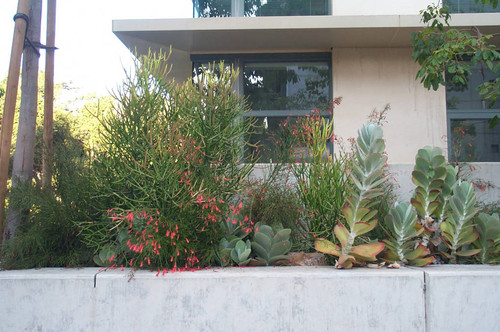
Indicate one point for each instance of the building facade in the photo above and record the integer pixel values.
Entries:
(296, 55)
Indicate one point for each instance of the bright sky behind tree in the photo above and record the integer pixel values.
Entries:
(89, 55)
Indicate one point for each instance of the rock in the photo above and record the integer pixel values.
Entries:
(306, 259)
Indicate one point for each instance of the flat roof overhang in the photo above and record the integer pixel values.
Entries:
(285, 34)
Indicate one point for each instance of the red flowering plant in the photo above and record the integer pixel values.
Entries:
(172, 165)
(321, 178)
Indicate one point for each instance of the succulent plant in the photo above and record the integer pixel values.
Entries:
(429, 176)
(105, 256)
(270, 247)
(367, 175)
(241, 252)
(458, 229)
(449, 184)
(226, 245)
(401, 247)
(488, 227)
(233, 225)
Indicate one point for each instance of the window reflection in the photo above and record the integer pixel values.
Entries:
(469, 6)
(469, 136)
(285, 7)
(286, 86)
(223, 8)
(472, 140)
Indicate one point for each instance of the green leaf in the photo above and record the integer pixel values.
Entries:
(263, 240)
(468, 253)
(420, 179)
(368, 251)
(419, 252)
(280, 248)
(361, 228)
(275, 259)
(341, 233)
(493, 122)
(260, 251)
(327, 247)
(348, 214)
(421, 262)
(282, 235)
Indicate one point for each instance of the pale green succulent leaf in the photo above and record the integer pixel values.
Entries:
(341, 233)
(420, 179)
(361, 228)
(327, 247)
(468, 253)
(264, 240)
(368, 251)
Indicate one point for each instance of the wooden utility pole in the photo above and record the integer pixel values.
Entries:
(22, 169)
(21, 22)
(48, 117)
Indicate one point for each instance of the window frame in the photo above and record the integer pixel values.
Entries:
(240, 59)
(237, 9)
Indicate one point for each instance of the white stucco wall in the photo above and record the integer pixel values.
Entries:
(436, 298)
(379, 7)
(368, 78)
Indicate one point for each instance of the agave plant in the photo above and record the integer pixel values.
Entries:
(488, 227)
(402, 246)
(367, 175)
(458, 229)
(429, 176)
(269, 247)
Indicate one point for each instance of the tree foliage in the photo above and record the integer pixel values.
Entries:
(447, 54)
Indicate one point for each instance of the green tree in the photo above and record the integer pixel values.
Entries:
(446, 55)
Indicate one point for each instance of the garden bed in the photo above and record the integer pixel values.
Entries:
(435, 298)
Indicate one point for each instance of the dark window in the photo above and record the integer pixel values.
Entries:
(469, 6)
(469, 138)
(280, 89)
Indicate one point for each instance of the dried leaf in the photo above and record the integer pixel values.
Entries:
(394, 265)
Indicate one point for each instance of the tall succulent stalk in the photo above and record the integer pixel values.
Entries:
(488, 227)
(401, 247)
(458, 229)
(367, 175)
(428, 175)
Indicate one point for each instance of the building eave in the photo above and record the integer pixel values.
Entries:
(278, 34)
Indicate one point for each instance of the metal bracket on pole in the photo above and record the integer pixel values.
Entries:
(24, 17)
(37, 45)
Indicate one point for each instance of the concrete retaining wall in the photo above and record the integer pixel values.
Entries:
(439, 298)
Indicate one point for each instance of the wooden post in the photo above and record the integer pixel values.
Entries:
(10, 102)
(22, 168)
(48, 117)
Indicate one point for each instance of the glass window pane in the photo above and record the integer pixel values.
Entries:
(469, 6)
(276, 86)
(286, 7)
(213, 67)
(471, 140)
(279, 139)
(461, 97)
(212, 8)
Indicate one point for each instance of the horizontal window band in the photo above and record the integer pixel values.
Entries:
(264, 57)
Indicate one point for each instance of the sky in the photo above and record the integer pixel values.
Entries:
(89, 55)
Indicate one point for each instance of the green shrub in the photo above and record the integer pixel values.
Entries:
(171, 165)
(274, 202)
(49, 234)
(322, 181)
